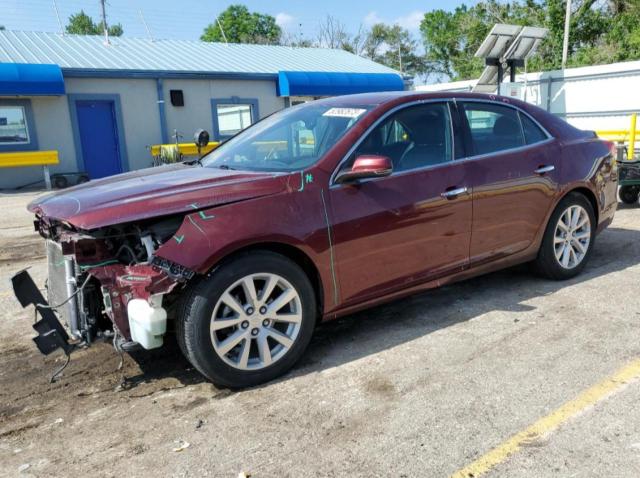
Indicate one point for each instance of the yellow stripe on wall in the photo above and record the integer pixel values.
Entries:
(28, 158)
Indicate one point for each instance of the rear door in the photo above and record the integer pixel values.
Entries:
(515, 170)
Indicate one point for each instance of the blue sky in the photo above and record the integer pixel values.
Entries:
(185, 19)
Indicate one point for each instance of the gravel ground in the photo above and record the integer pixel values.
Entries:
(420, 387)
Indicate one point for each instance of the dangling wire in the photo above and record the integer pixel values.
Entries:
(123, 385)
(57, 306)
(61, 369)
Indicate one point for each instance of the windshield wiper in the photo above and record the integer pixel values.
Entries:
(226, 167)
(191, 162)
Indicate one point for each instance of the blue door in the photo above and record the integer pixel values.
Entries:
(98, 137)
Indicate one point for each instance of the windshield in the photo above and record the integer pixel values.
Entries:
(292, 139)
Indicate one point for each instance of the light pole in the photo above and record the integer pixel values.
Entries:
(565, 42)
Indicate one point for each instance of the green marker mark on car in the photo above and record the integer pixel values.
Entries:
(179, 239)
(204, 216)
(304, 179)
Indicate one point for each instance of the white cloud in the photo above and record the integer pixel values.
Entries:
(283, 19)
(372, 18)
(410, 21)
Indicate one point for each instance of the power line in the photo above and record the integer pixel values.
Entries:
(104, 23)
(145, 25)
(55, 8)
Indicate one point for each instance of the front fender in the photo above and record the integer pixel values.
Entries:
(208, 236)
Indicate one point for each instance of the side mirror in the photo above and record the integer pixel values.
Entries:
(366, 166)
(201, 138)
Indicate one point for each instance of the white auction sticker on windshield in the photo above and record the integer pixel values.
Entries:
(345, 112)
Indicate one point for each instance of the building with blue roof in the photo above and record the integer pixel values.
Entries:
(101, 105)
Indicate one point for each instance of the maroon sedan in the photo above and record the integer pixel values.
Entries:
(313, 213)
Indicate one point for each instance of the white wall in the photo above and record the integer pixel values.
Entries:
(196, 112)
(53, 131)
(593, 97)
(140, 116)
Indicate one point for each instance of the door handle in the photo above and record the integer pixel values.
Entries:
(544, 169)
(454, 193)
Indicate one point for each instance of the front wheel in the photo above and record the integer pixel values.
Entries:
(568, 239)
(248, 322)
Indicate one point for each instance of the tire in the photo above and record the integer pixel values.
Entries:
(60, 182)
(548, 264)
(629, 194)
(270, 333)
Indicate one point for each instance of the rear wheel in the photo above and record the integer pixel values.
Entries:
(250, 321)
(568, 239)
(629, 194)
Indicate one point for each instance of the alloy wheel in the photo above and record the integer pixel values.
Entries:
(256, 321)
(572, 237)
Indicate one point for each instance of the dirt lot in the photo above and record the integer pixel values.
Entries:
(422, 387)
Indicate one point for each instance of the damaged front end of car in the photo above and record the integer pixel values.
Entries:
(104, 284)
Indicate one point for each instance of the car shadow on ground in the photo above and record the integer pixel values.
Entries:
(359, 335)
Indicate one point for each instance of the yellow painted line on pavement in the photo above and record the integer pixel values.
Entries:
(552, 421)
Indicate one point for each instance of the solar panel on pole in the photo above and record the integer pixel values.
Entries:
(505, 48)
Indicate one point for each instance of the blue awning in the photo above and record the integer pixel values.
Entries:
(314, 83)
(26, 79)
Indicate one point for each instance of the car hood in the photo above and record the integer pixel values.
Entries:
(153, 192)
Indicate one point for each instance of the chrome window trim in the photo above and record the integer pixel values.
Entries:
(506, 151)
(550, 137)
(377, 122)
(508, 105)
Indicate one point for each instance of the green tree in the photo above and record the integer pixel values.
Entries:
(238, 25)
(82, 24)
(452, 38)
(394, 47)
(601, 32)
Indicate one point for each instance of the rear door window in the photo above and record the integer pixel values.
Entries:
(493, 128)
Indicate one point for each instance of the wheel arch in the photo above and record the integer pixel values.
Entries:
(591, 197)
(291, 252)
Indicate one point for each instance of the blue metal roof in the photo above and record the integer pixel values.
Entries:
(84, 54)
(27, 79)
(318, 83)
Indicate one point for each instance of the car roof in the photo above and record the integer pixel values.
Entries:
(380, 98)
(553, 124)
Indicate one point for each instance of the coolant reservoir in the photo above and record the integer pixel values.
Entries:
(147, 323)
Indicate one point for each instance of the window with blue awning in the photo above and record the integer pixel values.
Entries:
(310, 83)
(25, 79)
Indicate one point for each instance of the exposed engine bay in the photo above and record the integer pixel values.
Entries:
(106, 284)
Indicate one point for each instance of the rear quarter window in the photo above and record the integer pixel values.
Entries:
(532, 132)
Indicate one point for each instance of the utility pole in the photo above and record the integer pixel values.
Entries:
(104, 22)
(565, 43)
